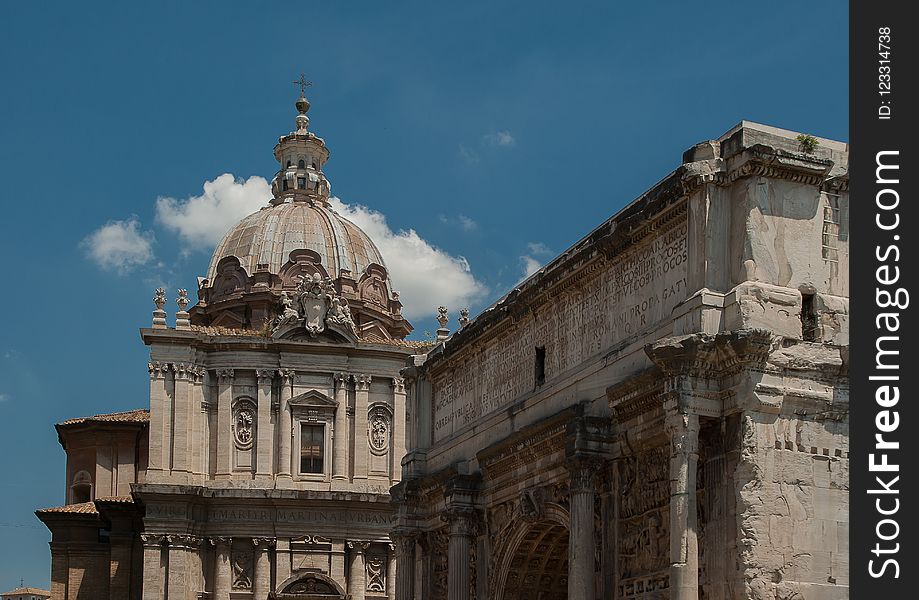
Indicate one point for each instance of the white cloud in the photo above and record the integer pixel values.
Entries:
(538, 248)
(500, 138)
(471, 157)
(530, 266)
(201, 221)
(426, 276)
(529, 262)
(467, 223)
(4, 397)
(119, 245)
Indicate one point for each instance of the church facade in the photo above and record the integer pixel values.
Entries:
(276, 422)
(661, 412)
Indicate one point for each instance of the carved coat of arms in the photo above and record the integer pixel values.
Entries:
(317, 303)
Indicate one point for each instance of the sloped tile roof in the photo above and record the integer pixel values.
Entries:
(141, 415)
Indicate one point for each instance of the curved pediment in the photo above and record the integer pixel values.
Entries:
(309, 586)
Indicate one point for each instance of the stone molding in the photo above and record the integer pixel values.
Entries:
(152, 540)
(157, 370)
(358, 547)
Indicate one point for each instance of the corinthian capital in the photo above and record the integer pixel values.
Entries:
(362, 382)
(398, 385)
(225, 376)
(582, 474)
(286, 375)
(265, 376)
(463, 520)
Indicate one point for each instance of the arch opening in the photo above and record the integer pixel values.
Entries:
(537, 566)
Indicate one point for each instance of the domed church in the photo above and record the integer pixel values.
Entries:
(276, 423)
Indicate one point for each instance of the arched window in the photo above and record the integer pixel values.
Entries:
(82, 488)
(288, 163)
(284, 185)
(301, 164)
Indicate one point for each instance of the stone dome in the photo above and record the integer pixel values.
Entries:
(265, 240)
(298, 263)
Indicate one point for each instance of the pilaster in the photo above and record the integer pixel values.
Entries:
(361, 445)
(264, 445)
(182, 418)
(153, 571)
(285, 431)
(158, 416)
(341, 440)
(224, 432)
(398, 430)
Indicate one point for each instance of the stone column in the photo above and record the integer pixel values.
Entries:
(222, 574)
(361, 445)
(404, 575)
(158, 415)
(357, 576)
(582, 540)
(153, 582)
(398, 428)
(285, 458)
(463, 522)
(261, 577)
(224, 433)
(263, 429)
(341, 440)
(684, 550)
(198, 441)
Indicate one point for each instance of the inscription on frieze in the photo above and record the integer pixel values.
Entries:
(630, 294)
(312, 516)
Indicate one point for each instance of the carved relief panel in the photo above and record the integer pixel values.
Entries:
(644, 522)
(245, 417)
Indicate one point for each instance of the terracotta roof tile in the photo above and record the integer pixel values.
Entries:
(84, 508)
(141, 415)
(87, 508)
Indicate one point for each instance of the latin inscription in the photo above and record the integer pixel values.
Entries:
(635, 291)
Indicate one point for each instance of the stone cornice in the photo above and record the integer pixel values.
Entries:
(705, 356)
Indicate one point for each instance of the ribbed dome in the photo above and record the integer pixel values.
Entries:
(270, 235)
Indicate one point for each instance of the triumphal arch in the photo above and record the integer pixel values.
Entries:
(661, 411)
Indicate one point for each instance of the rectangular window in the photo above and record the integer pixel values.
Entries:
(312, 438)
(301, 183)
(540, 365)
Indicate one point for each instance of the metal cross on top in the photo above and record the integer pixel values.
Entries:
(303, 83)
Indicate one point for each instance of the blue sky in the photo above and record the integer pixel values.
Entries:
(499, 132)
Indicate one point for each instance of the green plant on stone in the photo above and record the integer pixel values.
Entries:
(808, 143)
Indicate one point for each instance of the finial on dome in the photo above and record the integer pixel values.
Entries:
(302, 104)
